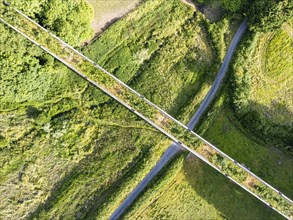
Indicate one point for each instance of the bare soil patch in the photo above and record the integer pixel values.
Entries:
(107, 12)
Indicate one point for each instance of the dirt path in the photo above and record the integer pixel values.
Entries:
(107, 12)
(190, 3)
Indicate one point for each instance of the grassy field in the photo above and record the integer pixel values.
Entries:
(67, 150)
(66, 146)
(263, 75)
(188, 192)
(272, 81)
(150, 63)
(193, 190)
(189, 187)
(173, 55)
(264, 160)
(150, 69)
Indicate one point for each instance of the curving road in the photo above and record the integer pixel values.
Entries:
(175, 148)
(220, 75)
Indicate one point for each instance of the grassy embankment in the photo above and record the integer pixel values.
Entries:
(263, 86)
(71, 145)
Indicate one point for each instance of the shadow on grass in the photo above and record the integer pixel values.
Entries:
(228, 198)
(262, 118)
(99, 197)
(185, 96)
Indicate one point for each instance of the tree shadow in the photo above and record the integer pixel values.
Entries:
(228, 198)
(185, 96)
(262, 122)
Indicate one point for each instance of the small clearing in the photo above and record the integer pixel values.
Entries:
(106, 12)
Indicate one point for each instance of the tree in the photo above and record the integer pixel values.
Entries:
(267, 15)
(26, 70)
(69, 19)
(233, 5)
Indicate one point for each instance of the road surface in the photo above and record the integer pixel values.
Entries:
(175, 148)
(219, 78)
(172, 150)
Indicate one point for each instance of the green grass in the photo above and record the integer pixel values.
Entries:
(191, 189)
(263, 78)
(273, 79)
(266, 161)
(170, 61)
(74, 131)
(66, 147)
(72, 152)
(87, 68)
(42, 155)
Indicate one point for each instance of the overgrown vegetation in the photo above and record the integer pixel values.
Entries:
(217, 159)
(64, 134)
(263, 16)
(67, 150)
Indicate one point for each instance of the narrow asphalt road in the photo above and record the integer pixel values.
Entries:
(220, 75)
(174, 148)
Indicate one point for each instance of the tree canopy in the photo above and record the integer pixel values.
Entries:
(26, 71)
(69, 19)
(268, 15)
(263, 15)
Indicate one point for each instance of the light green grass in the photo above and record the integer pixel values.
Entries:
(196, 191)
(272, 77)
(264, 160)
(170, 68)
(262, 86)
(161, 50)
(81, 153)
(193, 190)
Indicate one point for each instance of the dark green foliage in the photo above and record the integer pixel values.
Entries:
(261, 119)
(69, 19)
(32, 112)
(228, 5)
(268, 15)
(263, 15)
(271, 132)
(217, 32)
(28, 73)
(233, 5)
